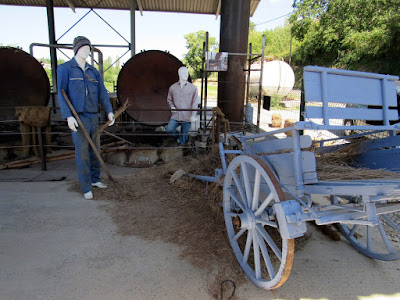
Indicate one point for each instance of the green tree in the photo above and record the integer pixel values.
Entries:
(111, 73)
(255, 39)
(277, 41)
(46, 62)
(280, 42)
(193, 58)
(352, 34)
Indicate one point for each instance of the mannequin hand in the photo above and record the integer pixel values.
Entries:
(193, 119)
(72, 124)
(111, 118)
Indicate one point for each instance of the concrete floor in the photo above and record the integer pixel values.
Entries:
(57, 245)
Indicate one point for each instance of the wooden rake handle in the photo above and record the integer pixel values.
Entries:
(96, 152)
(117, 114)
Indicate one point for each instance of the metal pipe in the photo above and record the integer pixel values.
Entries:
(260, 85)
(52, 40)
(101, 66)
(243, 54)
(133, 28)
(205, 86)
(91, 56)
(202, 84)
(203, 178)
(63, 46)
(248, 77)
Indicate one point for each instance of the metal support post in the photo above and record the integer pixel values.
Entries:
(260, 85)
(52, 41)
(202, 84)
(205, 88)
(133, 28)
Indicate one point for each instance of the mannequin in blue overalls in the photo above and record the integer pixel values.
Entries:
(85, 89)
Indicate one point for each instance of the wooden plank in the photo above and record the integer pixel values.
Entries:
(276, 145)
(345, 86)
(388, 159)
(392, 141)
(284, 165)
(315, 112)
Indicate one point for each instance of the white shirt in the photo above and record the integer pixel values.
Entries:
(185, 97)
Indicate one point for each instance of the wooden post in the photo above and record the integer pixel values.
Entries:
(41, 149)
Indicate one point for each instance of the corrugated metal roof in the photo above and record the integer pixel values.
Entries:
(187, 6)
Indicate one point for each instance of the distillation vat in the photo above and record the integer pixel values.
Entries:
(23, 82)
(144, 81)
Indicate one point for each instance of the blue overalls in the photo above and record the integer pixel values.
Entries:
(85, 89)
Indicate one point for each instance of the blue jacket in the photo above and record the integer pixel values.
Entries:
(85, 90)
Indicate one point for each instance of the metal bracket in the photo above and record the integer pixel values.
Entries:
(285, 209)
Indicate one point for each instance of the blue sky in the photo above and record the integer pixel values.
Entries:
(21, 26)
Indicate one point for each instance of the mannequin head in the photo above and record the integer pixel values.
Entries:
(183, 73)
(83, 52)
(79, 42)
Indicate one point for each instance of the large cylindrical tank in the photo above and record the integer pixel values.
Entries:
(23, 82)
(144, 81)
(278, 79)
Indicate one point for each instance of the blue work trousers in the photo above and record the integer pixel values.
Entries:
(85, 159)
(183, 135)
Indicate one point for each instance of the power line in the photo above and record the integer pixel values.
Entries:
(274, 19)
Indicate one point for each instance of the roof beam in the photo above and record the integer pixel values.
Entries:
(71, 5)
(218, 9)
(140, 6)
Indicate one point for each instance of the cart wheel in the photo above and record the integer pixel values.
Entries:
(378, 242)
(250, 190)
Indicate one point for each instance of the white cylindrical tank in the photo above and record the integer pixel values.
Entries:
(278, 78)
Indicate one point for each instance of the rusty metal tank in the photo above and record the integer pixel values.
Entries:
(144, 81)
(23, 82)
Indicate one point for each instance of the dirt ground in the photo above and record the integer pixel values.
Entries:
(188, 213)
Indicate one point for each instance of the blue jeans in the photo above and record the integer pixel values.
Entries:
(85, 159)
(183, 135)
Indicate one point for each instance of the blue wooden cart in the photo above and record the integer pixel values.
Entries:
(269, 187)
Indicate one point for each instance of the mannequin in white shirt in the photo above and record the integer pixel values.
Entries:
(182, 95)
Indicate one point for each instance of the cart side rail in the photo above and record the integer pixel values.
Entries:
(332, 94)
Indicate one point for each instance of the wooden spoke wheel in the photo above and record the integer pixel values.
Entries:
(378, 242)
(250, 190)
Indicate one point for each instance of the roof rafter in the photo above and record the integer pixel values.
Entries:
(210, 7)
(140, 6)
(218, 9)
(71, 5)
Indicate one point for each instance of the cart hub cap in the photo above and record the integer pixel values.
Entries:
(248, 220)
